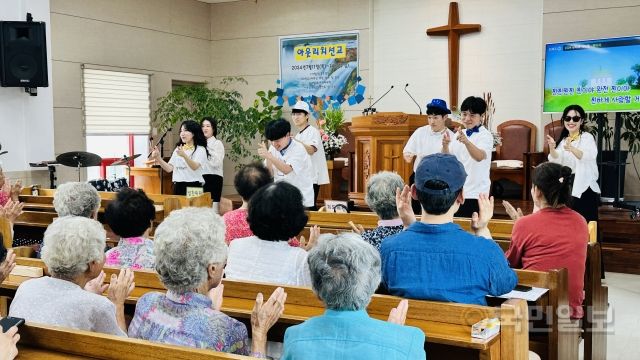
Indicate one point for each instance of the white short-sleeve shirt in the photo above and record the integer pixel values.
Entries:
(58, 302)
(311, 136)
(181, 170)
(301, 176)
(585, 169)
(213, 165)
(252, 259)
(425, 141)
(478, 172)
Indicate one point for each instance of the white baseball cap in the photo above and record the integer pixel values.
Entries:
(301, 105)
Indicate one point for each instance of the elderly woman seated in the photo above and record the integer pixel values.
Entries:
(74, 254)
(275, 215)
(130, 216)
(247, 181)
(381, 198)
(77, 199)
(190, 258)
(345, 271)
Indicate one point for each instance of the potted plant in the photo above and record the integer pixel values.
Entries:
(237, 126)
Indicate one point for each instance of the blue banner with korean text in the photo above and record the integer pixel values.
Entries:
(321, 66)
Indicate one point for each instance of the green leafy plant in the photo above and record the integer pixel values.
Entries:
(333, 120)
(262, 111)
(631, 134)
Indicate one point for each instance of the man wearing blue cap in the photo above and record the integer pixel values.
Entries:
(435, 259)
(428, 139)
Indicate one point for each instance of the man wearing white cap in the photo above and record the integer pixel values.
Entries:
(310, 138)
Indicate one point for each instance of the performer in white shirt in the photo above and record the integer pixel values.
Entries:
(212, 169)
(287, 159)
(187, 158)
(427, 140)
(309, 137)
(576, 148)
(473, 149)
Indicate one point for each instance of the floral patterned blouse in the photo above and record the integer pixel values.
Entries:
(187, 320)
(385, 229)
(134, 253)
(237, 225)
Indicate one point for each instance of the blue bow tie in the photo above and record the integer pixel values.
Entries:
(473, 130)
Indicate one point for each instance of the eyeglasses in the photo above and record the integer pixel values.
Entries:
(572, 118)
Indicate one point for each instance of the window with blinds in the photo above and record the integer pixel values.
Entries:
(116, 102)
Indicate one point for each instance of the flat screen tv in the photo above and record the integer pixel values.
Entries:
(599, 75)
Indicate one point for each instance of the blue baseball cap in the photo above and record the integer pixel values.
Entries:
(438, 104)
(443, 167)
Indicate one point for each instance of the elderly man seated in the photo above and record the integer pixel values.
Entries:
(190, 259)
(345, 271)
(74, 254)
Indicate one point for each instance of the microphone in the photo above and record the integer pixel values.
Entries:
(414, 100)
(371, 108)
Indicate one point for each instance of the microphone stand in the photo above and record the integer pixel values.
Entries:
(371, 108)
(414, 100)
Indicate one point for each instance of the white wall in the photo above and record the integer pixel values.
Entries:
(504, 57)
(26, 122)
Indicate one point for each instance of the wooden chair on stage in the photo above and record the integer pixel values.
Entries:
(518, 138)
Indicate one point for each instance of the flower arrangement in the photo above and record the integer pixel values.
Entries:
(488, 117)
(330, 124)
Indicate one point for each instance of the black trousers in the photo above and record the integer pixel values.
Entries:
(587, 205)
(213, 185)
(468, 208)
(180, 187)
(316, 191)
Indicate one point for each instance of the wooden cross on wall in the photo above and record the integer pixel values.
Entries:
(453, 30)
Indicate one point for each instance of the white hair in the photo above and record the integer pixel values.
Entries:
(381, 194)
(77, 199)
(70, 244)
(345, 271)
(185, 244)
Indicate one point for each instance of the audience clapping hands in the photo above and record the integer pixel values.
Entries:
(480, 220)
(11, 210)
(403, 204)
(95, 286)
(7, 265)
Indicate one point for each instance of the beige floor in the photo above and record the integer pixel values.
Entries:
(623, 341)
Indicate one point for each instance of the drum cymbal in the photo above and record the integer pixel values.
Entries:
(125, 160)
(79, 159)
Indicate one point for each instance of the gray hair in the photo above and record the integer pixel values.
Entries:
(345, 271)
(381, 194)
(70, 244)
(186, 243)
(77, 199)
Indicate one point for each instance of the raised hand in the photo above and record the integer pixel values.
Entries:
(551, 142)
(480, 220)
(403, 205)
(121, 286)
(180, 151)
(263, 152)
(461, 136)
(264, 315)
(358, 229)
(216, 297)
(398, 315)
(95, 286)
(314, 233)
(7, 265)
(511, 211)
(11, 210)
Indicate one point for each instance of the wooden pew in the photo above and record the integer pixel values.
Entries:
(446, 325)
(38, 341)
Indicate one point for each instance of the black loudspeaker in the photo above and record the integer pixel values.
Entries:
(23, 54)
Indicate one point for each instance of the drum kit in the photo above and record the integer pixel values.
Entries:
(80, 159)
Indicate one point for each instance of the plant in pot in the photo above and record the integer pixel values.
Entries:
(332, 121)
(237, 126)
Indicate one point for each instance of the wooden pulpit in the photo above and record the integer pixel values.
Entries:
(148, 179)
(379, 141)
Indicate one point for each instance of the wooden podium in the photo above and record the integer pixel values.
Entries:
(148, 179)
(379, 141)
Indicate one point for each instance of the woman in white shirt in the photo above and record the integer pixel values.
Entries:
(212, 168)
(576, 148)
(187, 158)
(275, 215)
